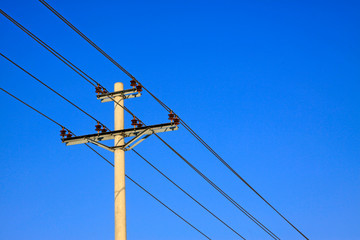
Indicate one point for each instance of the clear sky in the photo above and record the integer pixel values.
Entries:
(272, 86)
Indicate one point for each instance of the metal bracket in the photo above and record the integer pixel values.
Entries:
(101, 145)
(125, 94)
(138, 134)
(140, 137)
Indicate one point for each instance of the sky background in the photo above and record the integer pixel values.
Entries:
(272, 86)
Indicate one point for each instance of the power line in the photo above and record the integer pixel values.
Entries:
(168, 109)
(99, 121)
(55, 53)
(171, 181)
(85, 37)
(47, 86)
(167, 207)
(137, 184)
(52, 120)
(237, 205)
(72, 66)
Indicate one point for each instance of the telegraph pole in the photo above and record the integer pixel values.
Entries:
(137, 134)
(119, 167)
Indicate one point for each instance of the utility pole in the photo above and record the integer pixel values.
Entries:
(119, 168)
(138, 133)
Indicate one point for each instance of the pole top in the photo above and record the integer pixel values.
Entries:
(118, 86)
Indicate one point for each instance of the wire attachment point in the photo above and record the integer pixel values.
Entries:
(133, 83)
(62, 132)
(98, 127)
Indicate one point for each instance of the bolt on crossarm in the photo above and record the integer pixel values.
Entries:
(138, 134)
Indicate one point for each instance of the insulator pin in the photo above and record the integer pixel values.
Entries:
(98, 89)
(103, 129)
(134, 122)
(98, 127)
(63, 132)
(133, 83)
(68, 135)
(176, 121)
(171, 116)
(139, 88)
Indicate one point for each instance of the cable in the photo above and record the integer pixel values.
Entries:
(222, 160)
(168, 109)
(34, 109)
(55, 53)
(96, 120)
(72, 66)
(237, 205)
(2, 55)
(85, 37)
(187, 193)
(137, 184)
(52, 120)
(167, 207)
(67, 101)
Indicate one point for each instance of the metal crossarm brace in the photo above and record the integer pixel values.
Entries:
(125, 94)
(101, 145)
(144, 134)
(137, 133)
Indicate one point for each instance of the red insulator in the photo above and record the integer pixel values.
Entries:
(171, 116)
(139, 124)
(103, 129)
(68, 135)
(134, 122)
(104, 90)
(63, 132)
(98, 127)
(132, 83)
(139, 88)
(176, 121)
(98, 89)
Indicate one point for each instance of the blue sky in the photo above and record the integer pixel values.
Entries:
(273, 87)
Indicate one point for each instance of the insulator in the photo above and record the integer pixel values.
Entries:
(132, 83)
(171, 116)
(98, 127)
(139, 88)
(63, 132)
(176, 121)
(134, 122)
(104, 90)
(98, 89)
(139, 124)
(68, 135)
(103, 129)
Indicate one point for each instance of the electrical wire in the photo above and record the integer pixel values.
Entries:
(97, 120)
(52, 120)
(168, 109)
(85, 37)
(171, 181)
(55, 53)
(47, 86)
(237, 205)
(72, 66)
(167, 207)
(88, 116)
(132, 180)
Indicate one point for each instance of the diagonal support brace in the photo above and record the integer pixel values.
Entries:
(140, 137)
(100, 145)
